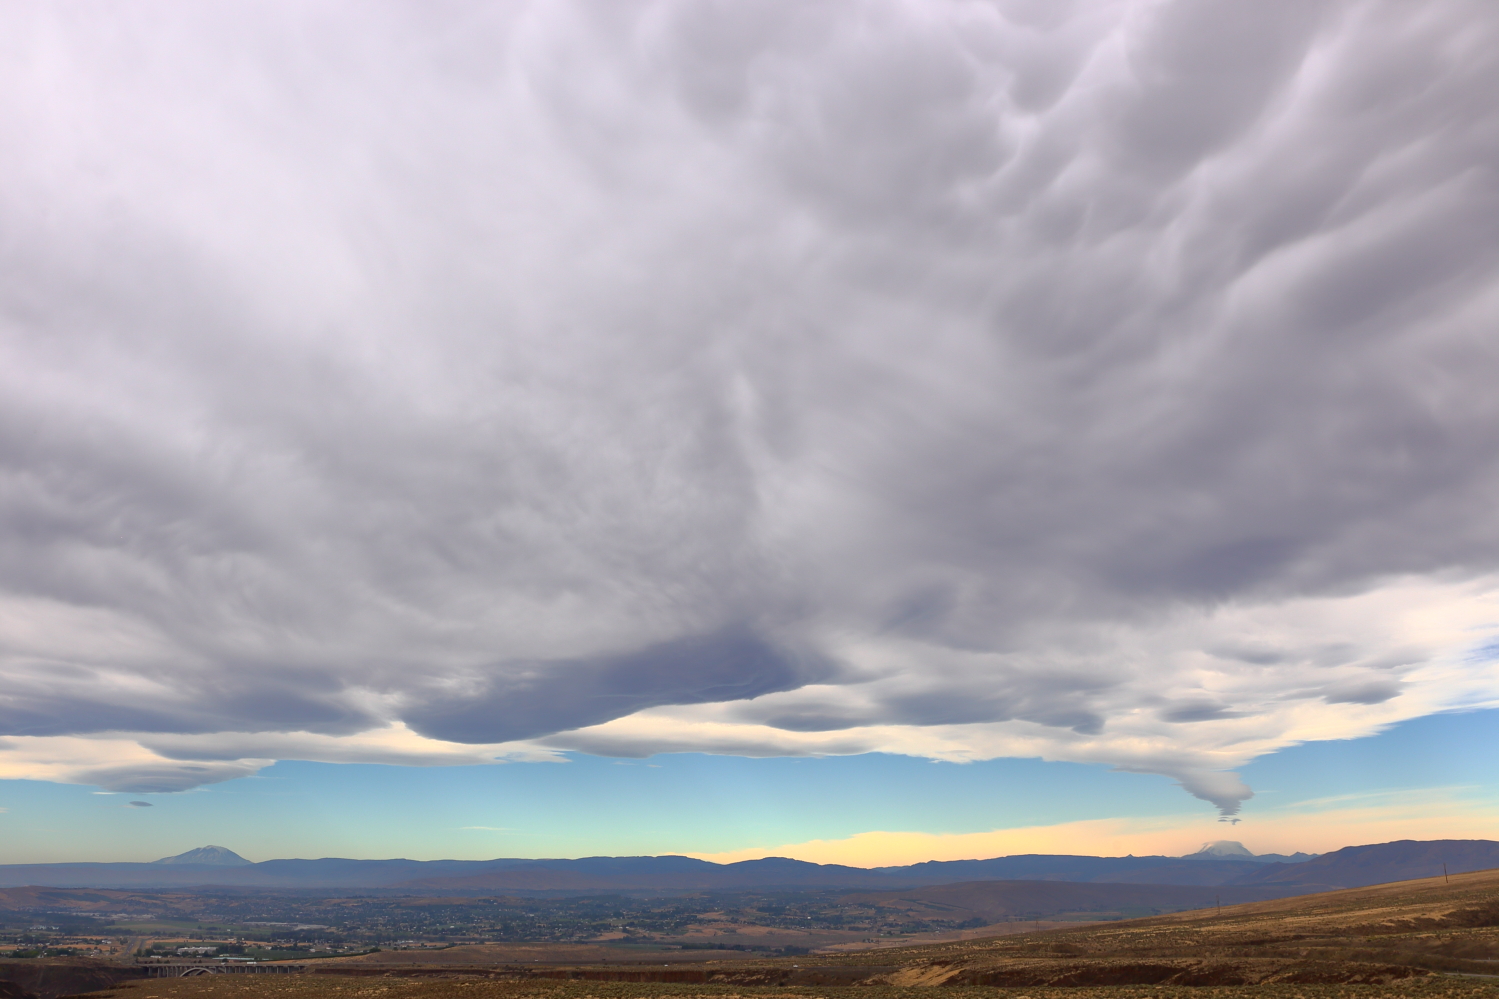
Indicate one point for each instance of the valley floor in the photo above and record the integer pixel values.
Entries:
(1428, 939)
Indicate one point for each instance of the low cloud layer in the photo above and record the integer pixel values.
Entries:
(1106, 381)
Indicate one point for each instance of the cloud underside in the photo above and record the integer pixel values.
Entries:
(1107, 382)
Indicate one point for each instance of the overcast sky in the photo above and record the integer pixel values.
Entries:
(448, 382)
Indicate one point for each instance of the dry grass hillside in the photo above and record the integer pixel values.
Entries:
(82, 900)
(1007, 900)
(1383, 932)
(320, 987)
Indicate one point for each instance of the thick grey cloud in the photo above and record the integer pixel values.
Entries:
(503, 370)
(512, 701)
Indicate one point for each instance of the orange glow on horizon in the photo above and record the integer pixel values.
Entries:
(1310, 828)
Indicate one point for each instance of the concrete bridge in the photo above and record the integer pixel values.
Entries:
(183, 969)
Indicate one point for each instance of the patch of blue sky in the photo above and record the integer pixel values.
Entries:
(587, 806)
(1452, 750)
(688, 802)
(1485, 653)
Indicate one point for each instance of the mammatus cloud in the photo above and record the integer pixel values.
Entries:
(1101, 381)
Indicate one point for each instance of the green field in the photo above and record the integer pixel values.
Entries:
(176, 927)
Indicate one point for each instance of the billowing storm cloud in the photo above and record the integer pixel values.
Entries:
(441, 382)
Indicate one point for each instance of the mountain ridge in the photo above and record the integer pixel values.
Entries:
(1380, 863)
(671, 873)
(1350, 867)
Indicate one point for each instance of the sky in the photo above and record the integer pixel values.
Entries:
(862, 430)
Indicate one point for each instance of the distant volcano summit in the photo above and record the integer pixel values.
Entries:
(1228, 849)
(1222, 849)
(208, 856)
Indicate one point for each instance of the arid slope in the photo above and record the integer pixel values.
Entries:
(1432, 924)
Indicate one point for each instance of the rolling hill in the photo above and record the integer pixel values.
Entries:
(996, 901)
(1380, 933)
(1346, 868)
(615, 873)
(1357, 866)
